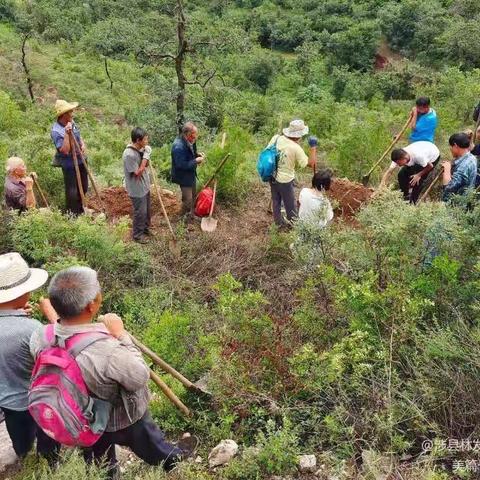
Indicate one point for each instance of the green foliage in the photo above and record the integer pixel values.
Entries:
(47, 236)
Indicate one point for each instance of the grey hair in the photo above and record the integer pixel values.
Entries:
(188, 128)
(72, 289)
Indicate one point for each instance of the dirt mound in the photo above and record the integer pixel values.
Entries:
(349, 196)
(117, 203)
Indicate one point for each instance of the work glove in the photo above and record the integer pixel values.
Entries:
(313, 141)
(147, 152)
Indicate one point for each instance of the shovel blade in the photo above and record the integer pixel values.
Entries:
(208, 224)
(365, 180)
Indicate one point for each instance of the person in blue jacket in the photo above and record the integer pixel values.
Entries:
(424, 121)
(185, 160)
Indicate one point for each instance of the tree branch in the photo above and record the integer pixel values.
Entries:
(25, 67)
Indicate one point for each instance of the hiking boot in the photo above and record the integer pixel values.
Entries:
(149, 233)
(142, 240)
(188, 445)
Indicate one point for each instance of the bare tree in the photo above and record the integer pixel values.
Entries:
(25, 37)
(202, 75)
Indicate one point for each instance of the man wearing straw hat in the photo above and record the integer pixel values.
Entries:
(18, 186)
(291, 155)
(17, 281)
(64, 158)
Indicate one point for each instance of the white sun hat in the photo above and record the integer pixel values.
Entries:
(16, 278)
(296, 129)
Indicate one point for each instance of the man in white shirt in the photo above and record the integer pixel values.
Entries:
(415, 161)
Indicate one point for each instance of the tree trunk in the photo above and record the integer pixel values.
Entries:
(108, 74)
(26, 70)
(180, 65)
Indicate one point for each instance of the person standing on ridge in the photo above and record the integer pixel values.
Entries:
(291, 155)
(424, 121)
(185, 160)
(137, 182)
(64, 157)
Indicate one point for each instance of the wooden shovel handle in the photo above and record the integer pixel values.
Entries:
(169, 394)
(392, 144)
(213, 199)
(40, 191)
(164, 211)
(77, 169)
(215, 173)
(162, 364)
(87, 168)
(434, 181)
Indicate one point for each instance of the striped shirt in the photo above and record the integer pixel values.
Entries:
(113, 370)
(16, 363)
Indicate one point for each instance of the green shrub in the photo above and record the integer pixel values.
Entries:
(47, 237)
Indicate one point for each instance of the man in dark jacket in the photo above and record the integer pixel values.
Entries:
(184, 166)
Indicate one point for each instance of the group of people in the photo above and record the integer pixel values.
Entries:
(418, 159)
(113, 368)
(416, 162)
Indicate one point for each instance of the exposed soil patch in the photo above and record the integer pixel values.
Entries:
(117, 203)
(350, 196)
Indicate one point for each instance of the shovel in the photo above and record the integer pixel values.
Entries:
(209, 224)
(89, 172)
(366, 177)
(40, 191)
(77, 170)
(434, 181)
(172, 244)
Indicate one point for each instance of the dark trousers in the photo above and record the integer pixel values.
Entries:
(145, 440)
(73, 200)
(189, 195)
(23, 431)
(141, 215)
(404, 181)
(283, 192)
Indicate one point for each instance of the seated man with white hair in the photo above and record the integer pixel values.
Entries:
(18, 186)
(113, 370)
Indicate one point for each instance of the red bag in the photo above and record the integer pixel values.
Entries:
(204, 203)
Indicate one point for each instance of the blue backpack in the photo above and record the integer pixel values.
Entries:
(267, 162)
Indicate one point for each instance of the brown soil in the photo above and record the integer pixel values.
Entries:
(116, 203)
(349, 197)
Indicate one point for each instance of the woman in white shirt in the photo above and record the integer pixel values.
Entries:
(314, 205)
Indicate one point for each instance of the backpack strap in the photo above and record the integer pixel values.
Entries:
(80, 341)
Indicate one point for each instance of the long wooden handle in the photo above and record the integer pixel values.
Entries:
(213, 199)
(427, 191)
(87, 168)
(392, 144)
(162, 364)
(77, 169)
(215, 173)
(40, 191)
(155, 184)
(169, 394)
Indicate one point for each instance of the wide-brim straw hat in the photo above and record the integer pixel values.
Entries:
(17, 278)
(61, 107)
(296, 129)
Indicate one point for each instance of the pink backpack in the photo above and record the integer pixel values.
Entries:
(58, 398)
